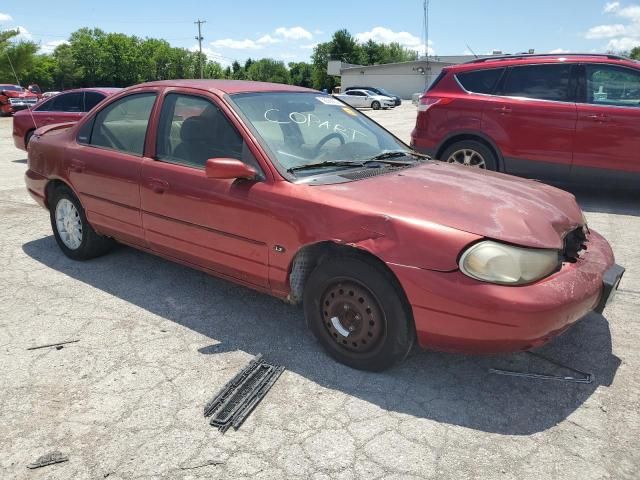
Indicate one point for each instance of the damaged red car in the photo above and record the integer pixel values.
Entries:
(296, 194)
(14, 98)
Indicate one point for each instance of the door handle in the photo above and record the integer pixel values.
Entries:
(598, 118)
(77, 166)
(158, 186)
(502, 110)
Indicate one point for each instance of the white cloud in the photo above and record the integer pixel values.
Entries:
(294, 33)
(267, 40)
(622, 35)
(49, 47)
(245, 44)
(605, 31)
(622, 44)
(23, 35)
(386, 35)
(213, 55)
(5, 17)
(309, 46)
(611, 7)
(560, 50)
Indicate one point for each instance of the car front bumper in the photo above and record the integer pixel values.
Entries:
(453, 312)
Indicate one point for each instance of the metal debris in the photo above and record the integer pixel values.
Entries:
(59, 344)
(48, 459)
(582, 378)
(205, 464)
(236, 400)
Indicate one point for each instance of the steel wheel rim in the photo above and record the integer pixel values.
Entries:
(468, 158)
(352, 316)
(68, 224)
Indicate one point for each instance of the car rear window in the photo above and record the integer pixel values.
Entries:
(480, 81)
(542, 82)
(437, 80)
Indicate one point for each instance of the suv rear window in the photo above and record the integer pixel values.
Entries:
(480, 81)
(437, 80)
(542, 82)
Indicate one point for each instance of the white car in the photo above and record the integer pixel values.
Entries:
(366, 99)
(49, 94)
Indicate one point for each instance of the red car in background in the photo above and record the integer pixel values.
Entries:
(69, 106)
(14, 98)
(291, 192)
(561, 117)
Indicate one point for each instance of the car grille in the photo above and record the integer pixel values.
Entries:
(14, 100)
(575, 242)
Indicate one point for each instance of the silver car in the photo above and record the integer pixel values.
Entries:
(366, 99)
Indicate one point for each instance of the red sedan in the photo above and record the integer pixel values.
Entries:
(69, 106)
(294, 193)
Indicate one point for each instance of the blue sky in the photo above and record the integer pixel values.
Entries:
(287, 30)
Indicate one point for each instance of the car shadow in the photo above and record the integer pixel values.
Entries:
(23, 161)
(601, 200)
(448, 388)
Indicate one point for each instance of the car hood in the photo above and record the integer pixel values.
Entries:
(11, 94)
(488, 204)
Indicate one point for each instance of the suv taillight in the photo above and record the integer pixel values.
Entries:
(427, 102)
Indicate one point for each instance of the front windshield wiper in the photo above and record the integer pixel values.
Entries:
(328, 163)
(395, 154)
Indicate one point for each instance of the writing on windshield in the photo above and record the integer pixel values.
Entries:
(310, 120)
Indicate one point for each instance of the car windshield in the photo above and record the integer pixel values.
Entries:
(303, 129)
(384, 92)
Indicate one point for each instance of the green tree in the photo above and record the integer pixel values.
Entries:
(18, 59)
(635, 53)
(301, 74)
(268, 70)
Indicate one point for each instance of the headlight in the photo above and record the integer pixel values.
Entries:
(495, 262)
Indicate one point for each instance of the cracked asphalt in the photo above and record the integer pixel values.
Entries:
(157, 341)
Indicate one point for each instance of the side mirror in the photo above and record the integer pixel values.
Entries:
(225, 168)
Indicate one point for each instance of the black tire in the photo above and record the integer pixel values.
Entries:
(490, 160)
(92, 244)
(378, 300)
(27, 138)
(375, 105)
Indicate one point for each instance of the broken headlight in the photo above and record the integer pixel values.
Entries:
(494, 262)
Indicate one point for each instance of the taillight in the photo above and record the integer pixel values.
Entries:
(427, 102)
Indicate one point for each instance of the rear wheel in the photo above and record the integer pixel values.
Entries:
(357, 312)
(75, 236)
(471, 153)
(375, 105)
(27, 138)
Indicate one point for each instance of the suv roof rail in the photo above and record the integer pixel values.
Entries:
(534, 55)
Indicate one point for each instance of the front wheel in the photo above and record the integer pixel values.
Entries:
(75, 236)
(356, 310)
(375, 105)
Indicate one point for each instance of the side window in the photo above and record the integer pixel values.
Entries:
(90, 100)
(46, 106)
(610, 85)
(192, 130)
(122, 125)
(480, 81)
(67, 102)
(542, 82)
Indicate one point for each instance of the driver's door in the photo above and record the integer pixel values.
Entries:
(220, 225)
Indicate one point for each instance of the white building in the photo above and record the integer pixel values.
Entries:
(402, 79)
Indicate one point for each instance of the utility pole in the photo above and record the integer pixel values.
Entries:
(200, 38)
(425, 20)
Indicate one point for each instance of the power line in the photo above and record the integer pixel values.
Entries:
(199, 38)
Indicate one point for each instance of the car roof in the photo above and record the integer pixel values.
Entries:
(533, 59)
(106, 90)
(228, 86)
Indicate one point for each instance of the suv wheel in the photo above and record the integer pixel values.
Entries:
(470, 153)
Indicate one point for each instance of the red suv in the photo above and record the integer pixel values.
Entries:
(555, 117)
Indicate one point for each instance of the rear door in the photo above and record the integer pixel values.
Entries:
(106, 162)
(533, 120)
(608, 130)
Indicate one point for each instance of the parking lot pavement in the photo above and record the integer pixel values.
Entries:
(157, 340)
